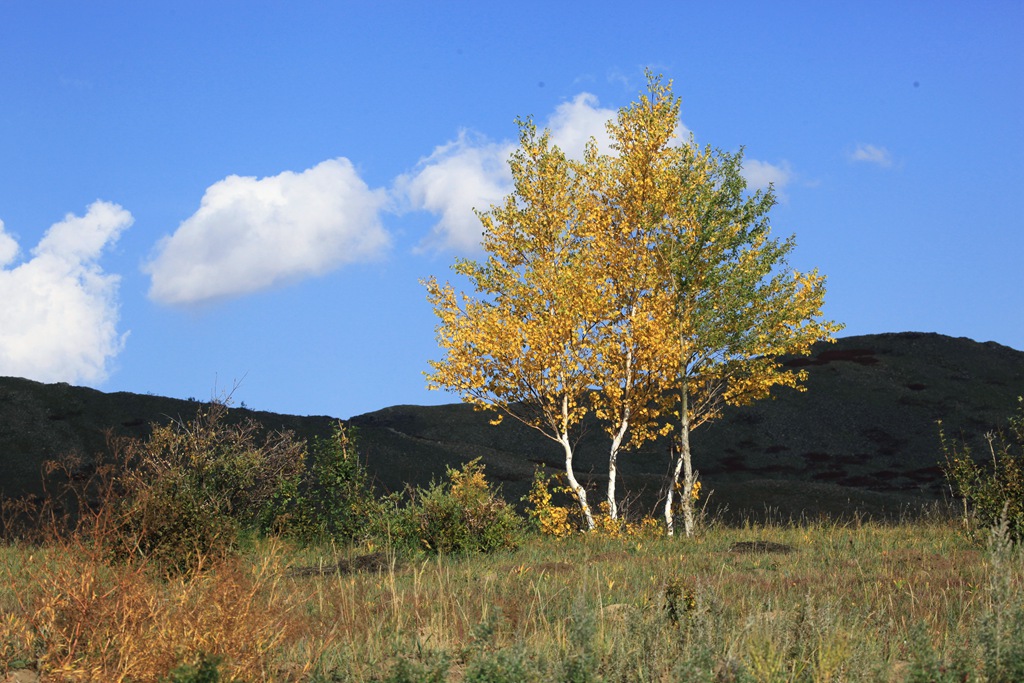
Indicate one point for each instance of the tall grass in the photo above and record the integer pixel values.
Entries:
(919, 601)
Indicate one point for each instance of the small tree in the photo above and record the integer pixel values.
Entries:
(640, 285)
(336, 500)
(738, 306)
(992, 488)
(525, 346)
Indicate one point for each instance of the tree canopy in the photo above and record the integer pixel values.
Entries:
(641, 285)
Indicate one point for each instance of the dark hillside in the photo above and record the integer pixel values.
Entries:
(864, 434)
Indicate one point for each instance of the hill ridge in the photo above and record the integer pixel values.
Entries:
(862, 435)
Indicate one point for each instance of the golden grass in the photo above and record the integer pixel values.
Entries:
(844, 605)
(79, 618)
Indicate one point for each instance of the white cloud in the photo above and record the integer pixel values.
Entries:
(760, 174)
(250, 234)
(466, 174)
(872, 155)
(472, 172)
(575, 122)
(8, 247)
(59, 316)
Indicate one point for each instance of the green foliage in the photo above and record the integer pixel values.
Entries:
(206, 670)
(991, 490)
(337, 500)
(462, 514)
(1001, 631)
(404, 670)
(928, 666)
(487, 664)
(184, 495)
(581, 663)
(504, 666)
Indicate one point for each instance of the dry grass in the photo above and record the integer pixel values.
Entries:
(78, 617)
(849, 603)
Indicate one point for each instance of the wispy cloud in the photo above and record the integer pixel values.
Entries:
(760, 174)
(250, 234)
(59, 318)
(872, 154)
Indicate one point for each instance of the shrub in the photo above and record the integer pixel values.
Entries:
(1001, 627)
(180, 498)
(337, 500)
(546, 517)
(991, 490)
(461, 515)
(191, 488)
(561, 521)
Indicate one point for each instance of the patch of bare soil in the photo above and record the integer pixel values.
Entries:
(361, 563)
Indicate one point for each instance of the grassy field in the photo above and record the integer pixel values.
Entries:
(921, 601)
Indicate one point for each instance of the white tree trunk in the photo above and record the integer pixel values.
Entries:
(613, 510)
(683, 465)
(613, 457)
(581, 493)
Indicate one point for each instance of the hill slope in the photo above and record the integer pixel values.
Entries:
(864, 434)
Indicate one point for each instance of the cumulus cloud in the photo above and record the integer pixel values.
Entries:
(872, 154)
(59, 318)
(575, 122)
(472, 172)
(250, 234)
(760, 174)
(466, 174)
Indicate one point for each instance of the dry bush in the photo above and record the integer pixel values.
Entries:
(128, 568)
(181, 496)
(81, 618)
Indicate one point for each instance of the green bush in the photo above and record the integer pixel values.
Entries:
(995, 488)
(1001, 627)
(184, 495)
(337, 500)
(206, 670)
(462, 514)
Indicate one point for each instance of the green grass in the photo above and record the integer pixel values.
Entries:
(859, 602)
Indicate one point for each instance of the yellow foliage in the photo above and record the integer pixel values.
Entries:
(617, 283)
(549, 519)
(555, 520)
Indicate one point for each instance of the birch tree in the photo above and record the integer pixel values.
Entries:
(738, 305)
(524, 344)
(643, 285)
(636, 336)
(703, 301)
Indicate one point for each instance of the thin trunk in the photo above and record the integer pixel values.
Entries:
(613, 457)
(581, 493)
(613, 510)
(683, 464)
(670, 494)
(689, 476)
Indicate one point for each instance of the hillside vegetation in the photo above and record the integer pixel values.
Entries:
(802, 602)
(864, 436)
(214, 548)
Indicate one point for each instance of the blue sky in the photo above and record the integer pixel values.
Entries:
(195, 195)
